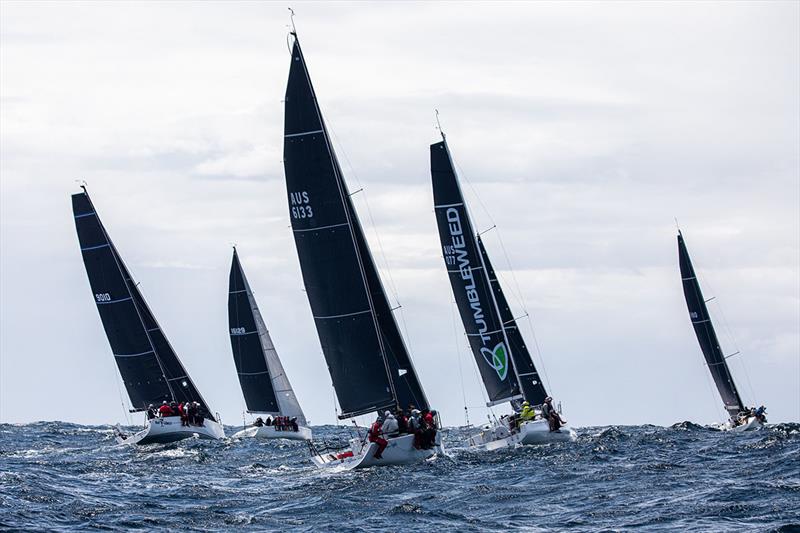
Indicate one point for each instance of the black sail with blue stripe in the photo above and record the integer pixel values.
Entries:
(149, 367)
(470, 282)
(706, 336)
(367, 359)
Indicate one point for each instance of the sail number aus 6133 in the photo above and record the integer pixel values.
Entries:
(299, 203)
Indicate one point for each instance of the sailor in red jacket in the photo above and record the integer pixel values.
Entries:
(375, 436)
(165, 410)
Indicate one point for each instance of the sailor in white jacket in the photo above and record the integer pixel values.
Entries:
(390, 427)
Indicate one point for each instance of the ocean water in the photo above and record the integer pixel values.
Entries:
(60, 476)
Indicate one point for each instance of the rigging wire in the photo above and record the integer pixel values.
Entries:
(458, 361)
(731, 338)
(517, 289)
(387, 268)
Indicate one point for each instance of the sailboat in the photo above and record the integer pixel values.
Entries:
(149, 367)
(264, 383)
(741, 418)
(503, 360)
(367, 359)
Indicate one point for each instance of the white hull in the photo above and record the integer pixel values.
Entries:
(361, 454)
(169, 429)
(750, 423)
(270, 432)
(530, 433)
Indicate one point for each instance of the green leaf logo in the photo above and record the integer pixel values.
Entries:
(497, 359)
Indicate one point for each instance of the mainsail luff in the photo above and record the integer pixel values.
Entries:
(357, 331)
(264, 383)
(150, 369)
(529, 379)
(472, 288)
(706, 335)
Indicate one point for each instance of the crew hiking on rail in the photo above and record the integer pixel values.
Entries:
(528, 413)
(421, 424)
(280, 423)
(191, 413)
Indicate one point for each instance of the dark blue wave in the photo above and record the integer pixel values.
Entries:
(61, 476)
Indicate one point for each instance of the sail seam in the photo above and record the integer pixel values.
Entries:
(253, 373)
(133, 354)
(94, 247)
(302, 133)
(237, 292)
(115, 301)
(243, 334)
(85, 215)
(484, 333)
(320, 228)
(444, 206)
(470, 269)
(341, 316)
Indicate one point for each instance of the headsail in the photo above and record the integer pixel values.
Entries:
(150, 369)
(369, 364)
(470, 282)
(264, 383)
(529, 379)
(706, 336)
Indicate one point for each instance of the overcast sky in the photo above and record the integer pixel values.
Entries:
(581, 131)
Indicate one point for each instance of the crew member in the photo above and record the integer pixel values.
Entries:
(375, 436)
(164, 410)
(390, 427)
(552, 416)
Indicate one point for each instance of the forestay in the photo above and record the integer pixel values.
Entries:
(264, 383)
(150, 369)
(367, 359)
(706, 336)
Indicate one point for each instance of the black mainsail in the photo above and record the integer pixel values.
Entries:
(264, 383)
(367, 359)
(150, 369)
(706, 336)
(502, 357)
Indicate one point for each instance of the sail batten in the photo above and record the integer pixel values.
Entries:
(150, 368)
(360, 339)
(706, 335)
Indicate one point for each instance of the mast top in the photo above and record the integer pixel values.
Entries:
(291, 20)
(439, 125)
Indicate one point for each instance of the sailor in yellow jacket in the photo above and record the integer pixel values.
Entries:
(527, 412)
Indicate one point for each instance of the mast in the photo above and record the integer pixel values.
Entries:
(150, 368)
(471, 284)
(706, 336)
(369, 364)
(264, 383)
